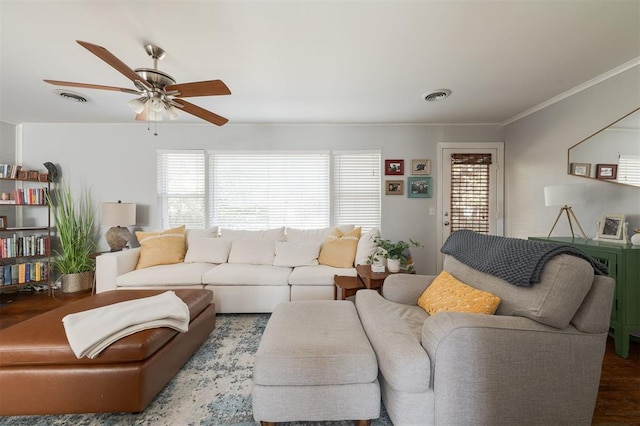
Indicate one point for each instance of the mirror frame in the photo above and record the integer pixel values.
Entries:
(569, 162)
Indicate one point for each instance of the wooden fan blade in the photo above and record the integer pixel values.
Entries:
(111, 59)
(200, 112)
(91, 86)
(200, 88)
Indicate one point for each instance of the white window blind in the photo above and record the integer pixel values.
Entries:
(470, 192)
(267, 190)
(181, 188)
(629, 169)
(356, 189)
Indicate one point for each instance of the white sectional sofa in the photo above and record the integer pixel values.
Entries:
(247, 271)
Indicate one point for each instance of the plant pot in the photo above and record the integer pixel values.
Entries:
(393, 265)
(73, 283)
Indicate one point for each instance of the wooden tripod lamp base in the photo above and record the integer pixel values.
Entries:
(569, 212)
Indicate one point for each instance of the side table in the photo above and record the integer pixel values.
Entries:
(374, 280)
(348, 286)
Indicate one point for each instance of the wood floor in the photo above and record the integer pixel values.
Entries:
(618, 398)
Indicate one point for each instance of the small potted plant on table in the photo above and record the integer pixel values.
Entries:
(394, 252)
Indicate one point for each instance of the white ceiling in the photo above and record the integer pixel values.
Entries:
(316, 61)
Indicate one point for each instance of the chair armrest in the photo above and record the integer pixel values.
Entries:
(405, 288)
(111, 265)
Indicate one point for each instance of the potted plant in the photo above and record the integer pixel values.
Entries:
(74, 225)
(394, 252)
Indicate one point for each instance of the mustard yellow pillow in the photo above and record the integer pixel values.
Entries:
(161, 248)
(339, 248)
(447, 294)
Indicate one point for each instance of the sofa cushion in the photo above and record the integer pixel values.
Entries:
(200, 233)
(296, 254)
(339, 248)
(318, 275)
(447, 294)
(295, 235)
(210, 250)
(395, 332)
(366, 246)
(553, 301)
(161, 248)
(253, 252)
(274, 234)
(244, 274)
(178, 274)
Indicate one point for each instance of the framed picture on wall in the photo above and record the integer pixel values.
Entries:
(419, 187)
(420, 167)
(394, 187)
(393, 167)
(606, 171)
(581, 169)
(610, 226)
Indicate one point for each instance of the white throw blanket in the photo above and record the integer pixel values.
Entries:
(90, 332)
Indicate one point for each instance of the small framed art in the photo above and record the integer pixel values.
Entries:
(610, 226)
(606, 171)
(394, 187)
(581, 169)
(393, 167)
(419, 187)
(23, 175)
(33, 175)
(420, 167)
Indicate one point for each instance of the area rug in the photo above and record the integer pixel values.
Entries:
(213, 387)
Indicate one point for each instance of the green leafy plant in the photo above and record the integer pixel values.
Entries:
(74, 223)
(394, 249)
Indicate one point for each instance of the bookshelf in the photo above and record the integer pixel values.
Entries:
(25, 229)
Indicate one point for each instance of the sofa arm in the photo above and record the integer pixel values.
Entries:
(502, 369)
(110, 265)
(405, 288)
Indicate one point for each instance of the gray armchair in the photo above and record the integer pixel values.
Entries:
(536, 361)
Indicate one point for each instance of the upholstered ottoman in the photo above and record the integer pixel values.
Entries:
(315, 363)
(39, 373)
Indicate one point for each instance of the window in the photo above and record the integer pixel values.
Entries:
(470, 192)
(254, 190)
(629, 169)
(181, 188)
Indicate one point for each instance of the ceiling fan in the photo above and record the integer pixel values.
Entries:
(156, 90)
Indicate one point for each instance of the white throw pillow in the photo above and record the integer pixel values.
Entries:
(366, 246)
(201, 233)
(275, 234)
(296, 254)
(210, 250)
(312, 235)
(254, 252)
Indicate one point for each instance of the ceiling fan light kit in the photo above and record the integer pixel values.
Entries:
(156, 90)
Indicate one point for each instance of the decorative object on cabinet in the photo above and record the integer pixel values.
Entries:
(635, 238)
(74, 222)
(581, 169)
(606, 171)
(24, 232)
(419, 187)
(421, 167)
(613, 228)
(118, 216)
(623, 262)
(394, 187)
(393, 167)
(564, 195)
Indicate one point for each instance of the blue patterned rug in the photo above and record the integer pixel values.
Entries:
(213, 387)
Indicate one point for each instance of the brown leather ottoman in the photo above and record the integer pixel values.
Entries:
(39, 374)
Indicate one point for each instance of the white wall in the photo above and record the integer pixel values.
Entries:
(118, 161)
(536, 156)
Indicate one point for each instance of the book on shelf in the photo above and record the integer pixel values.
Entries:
(24, 273)
(9, 171)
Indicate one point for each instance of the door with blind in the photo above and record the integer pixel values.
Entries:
(470, 189)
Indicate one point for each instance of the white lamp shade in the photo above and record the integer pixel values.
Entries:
(118, 214)
(565, 195)
(137, 105)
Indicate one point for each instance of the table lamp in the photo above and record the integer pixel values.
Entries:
(564, 195)
(118, 215)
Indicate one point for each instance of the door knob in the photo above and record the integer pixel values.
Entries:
(446, 223)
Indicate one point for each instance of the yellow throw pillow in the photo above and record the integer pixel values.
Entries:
(447, 294)
(161, 248)
(339, 248)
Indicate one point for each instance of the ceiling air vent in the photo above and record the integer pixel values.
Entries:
(70, 96)
(437, 95)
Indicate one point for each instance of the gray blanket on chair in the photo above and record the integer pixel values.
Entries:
(515, 260)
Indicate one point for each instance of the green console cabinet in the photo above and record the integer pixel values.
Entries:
(623, 261)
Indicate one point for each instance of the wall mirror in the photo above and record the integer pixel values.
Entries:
(611, 154)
